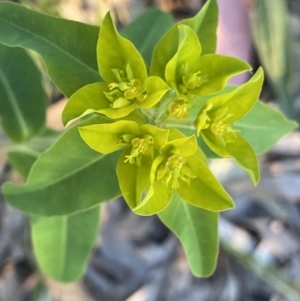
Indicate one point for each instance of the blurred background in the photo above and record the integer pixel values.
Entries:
(137, 258)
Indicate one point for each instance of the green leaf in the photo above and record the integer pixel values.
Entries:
(197, 230)
(273, 41)
(204, 24)
(67, 47)
(43, 140)
(263, 126)
(62, 244)
(22, 160)
(68, 177)
(23, 99)
(22, 156)
(144, 33)
(115, 52)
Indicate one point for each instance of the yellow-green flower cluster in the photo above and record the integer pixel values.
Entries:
(158, 159)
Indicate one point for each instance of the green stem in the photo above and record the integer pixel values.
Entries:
(148, 114)
(184, 125)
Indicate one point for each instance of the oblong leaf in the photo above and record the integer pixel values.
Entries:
(22, 156)
(68, 177)
(263, 126)
(22, 160)
(197, 230)
(62, 244)
(23, 99)
(67, 47)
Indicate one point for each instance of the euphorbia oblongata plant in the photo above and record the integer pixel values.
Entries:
(147, 108)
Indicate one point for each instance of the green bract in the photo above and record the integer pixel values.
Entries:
(127, 85)
(189, 73)
(204, 24)
(134, 164)
(181, 167)
(217, 116)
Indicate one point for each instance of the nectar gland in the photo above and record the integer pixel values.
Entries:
(126, 91)
(140, 147)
